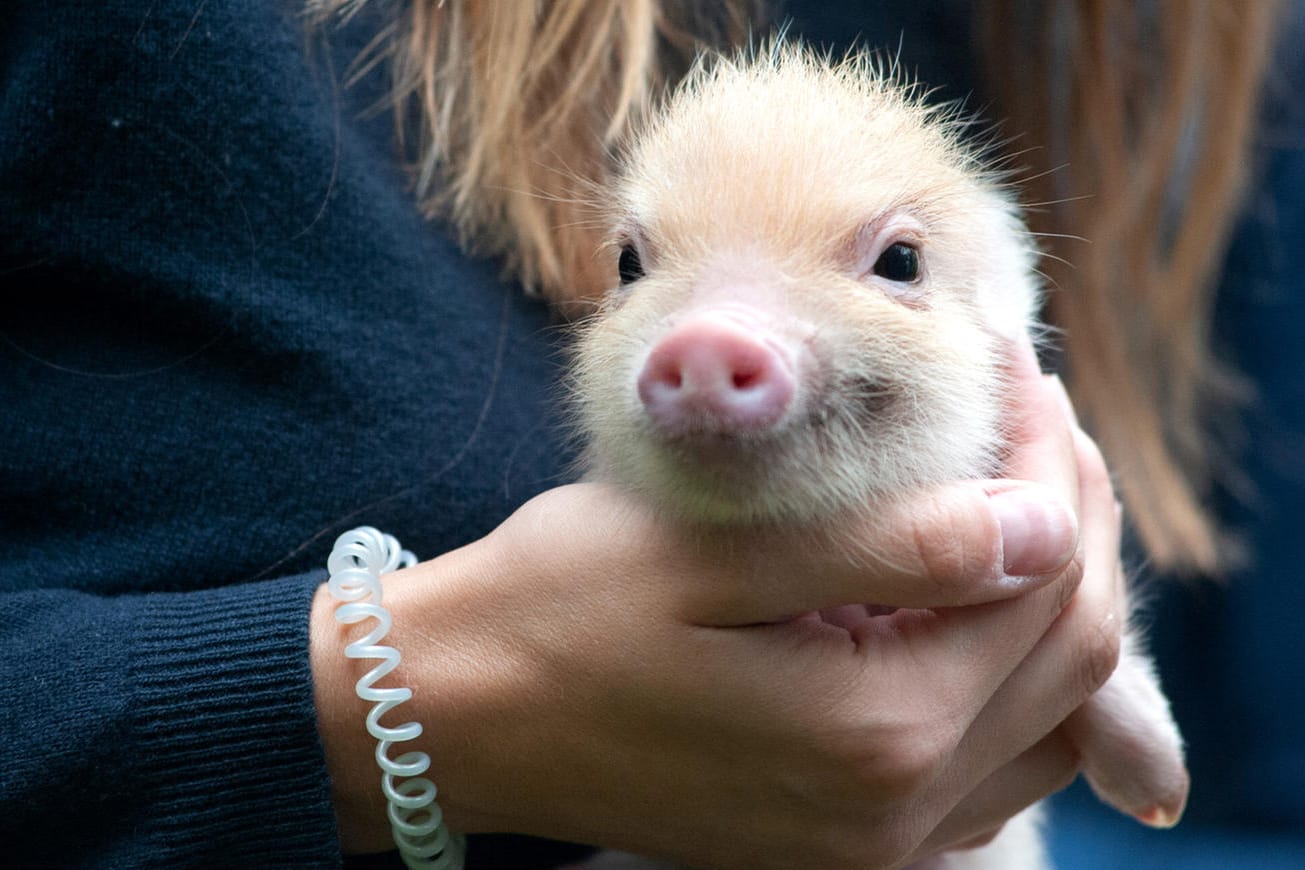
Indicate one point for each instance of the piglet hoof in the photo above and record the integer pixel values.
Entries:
(1131, 750)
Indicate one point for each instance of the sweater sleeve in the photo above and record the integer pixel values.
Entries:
(178, 726)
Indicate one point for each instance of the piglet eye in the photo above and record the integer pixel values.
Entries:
(899, 262)
(628, 265)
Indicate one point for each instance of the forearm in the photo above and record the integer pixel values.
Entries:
(457, 677)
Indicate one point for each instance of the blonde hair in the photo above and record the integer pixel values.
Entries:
(1142, 115)
(518, 108)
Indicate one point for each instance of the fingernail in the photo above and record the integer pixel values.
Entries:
(1037, 533)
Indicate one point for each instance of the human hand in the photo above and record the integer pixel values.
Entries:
(592, 671)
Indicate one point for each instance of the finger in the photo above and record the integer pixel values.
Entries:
(1041, 419)
(942, 647)
(1046, 768)
(1078, 653)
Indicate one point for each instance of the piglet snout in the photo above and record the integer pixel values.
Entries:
(718, 374)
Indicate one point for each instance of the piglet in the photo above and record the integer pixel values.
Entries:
(819, 281)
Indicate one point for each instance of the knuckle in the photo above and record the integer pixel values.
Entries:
(984, 839)
(1059, 769)
(955, 546)
(1071, 576)
(905, 765)
(1097, 629)
(1100, 653)
(1065, 775)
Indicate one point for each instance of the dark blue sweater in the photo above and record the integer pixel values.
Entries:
(227, 335)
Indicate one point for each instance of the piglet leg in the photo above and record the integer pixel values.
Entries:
(1131, 750)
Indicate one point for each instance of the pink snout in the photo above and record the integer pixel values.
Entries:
(713, 374)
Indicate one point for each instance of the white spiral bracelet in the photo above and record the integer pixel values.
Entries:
(357, 562)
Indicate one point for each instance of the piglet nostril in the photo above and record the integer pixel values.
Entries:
(662, 376)
(745, 379)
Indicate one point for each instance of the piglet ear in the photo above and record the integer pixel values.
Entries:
(1009, 291)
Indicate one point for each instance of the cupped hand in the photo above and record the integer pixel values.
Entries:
(593, 671)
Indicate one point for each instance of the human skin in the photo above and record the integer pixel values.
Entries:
(591, 671)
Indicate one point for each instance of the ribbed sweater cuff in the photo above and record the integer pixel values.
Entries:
(227, 727)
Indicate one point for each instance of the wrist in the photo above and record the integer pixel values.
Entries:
(348, 748)
(436, 624)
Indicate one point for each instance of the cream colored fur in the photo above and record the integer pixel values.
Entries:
(773, 177)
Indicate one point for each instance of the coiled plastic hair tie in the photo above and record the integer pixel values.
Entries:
(357, 562)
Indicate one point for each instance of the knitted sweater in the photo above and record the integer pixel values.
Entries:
(227, 336)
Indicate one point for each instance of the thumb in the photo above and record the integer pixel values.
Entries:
(961, 544)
